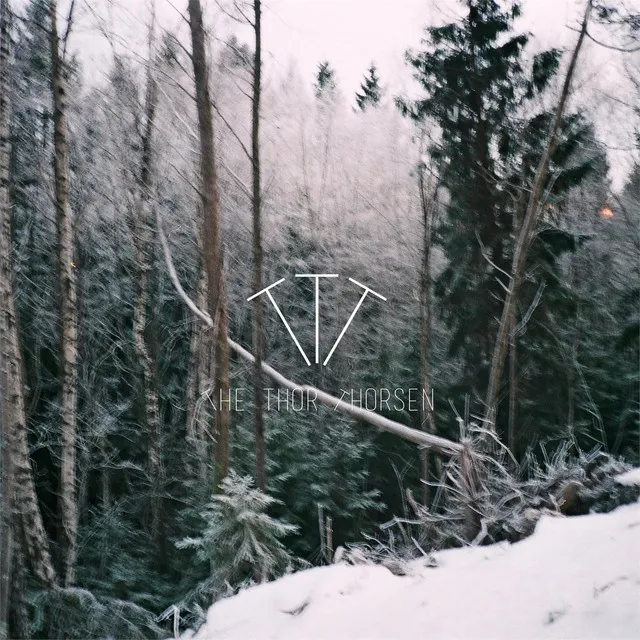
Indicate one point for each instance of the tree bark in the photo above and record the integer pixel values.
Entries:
(526, 237)
(513, 386)
(6, 477)
(22, 499)
(198, 384)
(19, 622)
(258, 320)
(194, 379)
(217, 303)
(68, 310)
(7, 486)
(142, 226)
(427, 421)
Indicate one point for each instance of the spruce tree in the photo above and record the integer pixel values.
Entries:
(241, 541)
(473, 77)
(478, 84)
(370, 91)
(325, 84)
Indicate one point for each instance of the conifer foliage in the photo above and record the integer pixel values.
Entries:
(325, 84)
(370, 92)
(240, 540)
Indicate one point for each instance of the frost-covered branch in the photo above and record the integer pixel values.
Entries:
(437, 443)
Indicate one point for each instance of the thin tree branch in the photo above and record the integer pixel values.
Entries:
(67, 33)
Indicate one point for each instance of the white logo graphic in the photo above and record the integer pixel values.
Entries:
(316, 277)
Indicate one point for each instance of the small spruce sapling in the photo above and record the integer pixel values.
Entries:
(240, 540)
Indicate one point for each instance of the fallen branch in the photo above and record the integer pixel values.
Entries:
(441, 445)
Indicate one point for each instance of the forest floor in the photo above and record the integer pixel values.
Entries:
(575, 577)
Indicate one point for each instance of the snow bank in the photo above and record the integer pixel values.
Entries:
(574, 578)
(630, 478)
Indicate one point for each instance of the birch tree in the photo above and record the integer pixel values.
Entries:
(6, 469)
(68, 305)
(22, 497)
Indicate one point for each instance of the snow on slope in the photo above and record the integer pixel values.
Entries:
(629, 478)
(574, 578)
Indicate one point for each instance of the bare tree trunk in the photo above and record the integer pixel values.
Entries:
(6, 470)
(427, 421)
(198, 385)
(142, 226)
(105, 492)
(22, 497)
(329, 538)
(513, 386)
(7, 486)
(196, 358)
(19, 606)
(571, 392)
(6, 478)
(258, 321)
(217, 302)
(470, 486)
(526, 236)
(26, 501)
(68, 310)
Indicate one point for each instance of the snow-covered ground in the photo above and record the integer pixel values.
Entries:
(574, 578)
(629, 478)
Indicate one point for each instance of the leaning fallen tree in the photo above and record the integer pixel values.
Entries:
(421, 438)
(527, 234)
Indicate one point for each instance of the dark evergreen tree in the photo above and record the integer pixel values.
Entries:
(477, 82)
(473, 76)
(370, 91)
(325, 84)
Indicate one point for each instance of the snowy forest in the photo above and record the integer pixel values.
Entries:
(254, 322)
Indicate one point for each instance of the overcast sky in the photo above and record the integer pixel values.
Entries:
(353, 33)
(349, 33)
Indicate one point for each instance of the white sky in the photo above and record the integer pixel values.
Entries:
(349, 33)
(353, 33)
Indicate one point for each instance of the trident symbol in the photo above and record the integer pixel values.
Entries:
(316, 277)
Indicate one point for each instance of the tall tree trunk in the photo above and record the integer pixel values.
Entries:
(526, 236)
(6, 470)
(573, 356)
(7, 487)
(513, 322)
(258, 321)
(195, 367)
(21, 493)
(198, 385)
(19, 622)
(68, 310)
(142, 226)
(513, 386)
(427, 419)
(217, 303)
